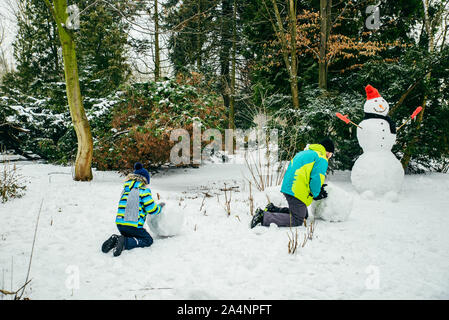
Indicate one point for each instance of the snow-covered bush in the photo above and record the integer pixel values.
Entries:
(315, 120)
(12, 184)
(40, 116)
(142, 121)
(48, 130)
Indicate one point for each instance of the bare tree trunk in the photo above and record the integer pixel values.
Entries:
(325, 17)
(3, 63)
(233, 69)
(294, 66)
(225, 51)
(199, 44)
(157, 58)
(280, 33)
(83, 171)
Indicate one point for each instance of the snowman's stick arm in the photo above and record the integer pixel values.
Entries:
(417, 111)
(355, 124)
(345, 119)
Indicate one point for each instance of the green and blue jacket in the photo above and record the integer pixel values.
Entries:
(135, 202)
(305, 174)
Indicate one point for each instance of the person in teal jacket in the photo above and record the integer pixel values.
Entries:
(303, 182)
(135, 203)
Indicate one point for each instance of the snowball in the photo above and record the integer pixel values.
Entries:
(336, 207)
(379, 172)
(168, 222)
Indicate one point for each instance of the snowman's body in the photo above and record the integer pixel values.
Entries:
(375, 135)
(377, 169)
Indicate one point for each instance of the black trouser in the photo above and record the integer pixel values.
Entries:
(135, 237)
(292, 216)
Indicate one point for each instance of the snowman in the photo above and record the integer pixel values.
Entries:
(377, 171)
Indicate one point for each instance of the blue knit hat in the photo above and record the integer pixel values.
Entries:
(139, 169)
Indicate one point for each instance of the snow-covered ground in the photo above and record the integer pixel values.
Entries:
(385, 250)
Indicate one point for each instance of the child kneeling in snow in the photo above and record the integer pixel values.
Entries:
(303, 182)
(134, 205)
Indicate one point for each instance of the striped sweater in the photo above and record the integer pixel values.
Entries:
(135, 202)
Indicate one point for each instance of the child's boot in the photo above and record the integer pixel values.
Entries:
(109, 244)
(119, 246)
(271, 208)
(258, 218)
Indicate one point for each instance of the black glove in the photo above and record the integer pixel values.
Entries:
(323, 193)
(162, 204)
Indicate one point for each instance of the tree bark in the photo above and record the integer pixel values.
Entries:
(157, 59)
(325, 18)
(290, 65)
(199, 43)
(225, 50)
(404, 96)
(83, 162)
(233, 68)
(294, 65)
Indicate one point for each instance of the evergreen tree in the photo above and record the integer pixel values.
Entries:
(38, 86)
(191, 24)
(203, 40)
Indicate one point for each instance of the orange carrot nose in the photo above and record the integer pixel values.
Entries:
(381, 106)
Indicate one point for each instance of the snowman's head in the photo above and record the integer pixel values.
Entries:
(375, 103)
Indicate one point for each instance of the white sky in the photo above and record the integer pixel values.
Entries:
(144, 63)
(7, 27)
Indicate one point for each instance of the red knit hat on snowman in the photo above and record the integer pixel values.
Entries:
(375, 103)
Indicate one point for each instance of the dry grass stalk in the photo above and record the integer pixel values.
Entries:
(304, 241)
(251, 200)
(311, 229)
(15, 293)
(227, 205)
(292, 241)
(21, 290)
(263, 119)
(32, 249)
(264, 175)
(207, 195)
(11, 183)
(202, 203)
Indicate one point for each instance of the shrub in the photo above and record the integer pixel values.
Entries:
(12, 184)
(142, 121)
(42, 123)
(315, 120)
